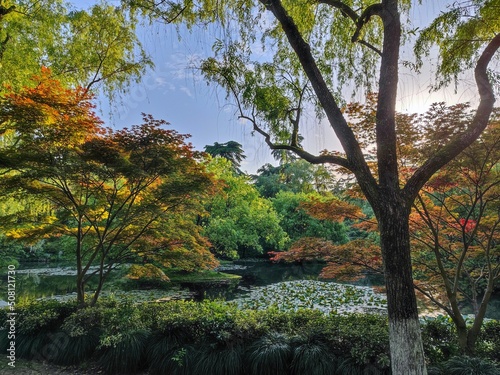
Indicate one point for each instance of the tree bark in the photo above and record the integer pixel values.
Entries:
(407, 353)
(80, 275)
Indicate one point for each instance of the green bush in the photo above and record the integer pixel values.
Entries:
(440, 339)
(488, 345)
(364, 338)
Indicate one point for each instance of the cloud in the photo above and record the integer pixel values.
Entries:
(185, 90)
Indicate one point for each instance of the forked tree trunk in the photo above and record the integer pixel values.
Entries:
(407, 353)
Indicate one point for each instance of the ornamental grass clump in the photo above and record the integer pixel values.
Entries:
(270, 355)
(170, 353)
(312, 358)
(463, 365)
(124, 353)
(219, 360)
(82, 331)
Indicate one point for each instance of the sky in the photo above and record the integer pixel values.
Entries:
(178, 94)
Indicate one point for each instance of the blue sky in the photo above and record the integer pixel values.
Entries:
(175, 92)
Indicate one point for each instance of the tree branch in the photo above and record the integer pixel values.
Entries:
(462, 141)
(313, 159)
(356, 161)
(359, 21)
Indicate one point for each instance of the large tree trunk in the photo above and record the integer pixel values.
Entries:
(407, 353)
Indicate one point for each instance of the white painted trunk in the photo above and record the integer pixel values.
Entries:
(406, 357)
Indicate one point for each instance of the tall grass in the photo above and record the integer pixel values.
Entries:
(270, 355)
(219, 361)
(127, 356)
(312, 358)
(169, 354)
(463, 365)
(77, 349)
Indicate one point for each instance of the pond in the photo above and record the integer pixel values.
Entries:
(43, 280)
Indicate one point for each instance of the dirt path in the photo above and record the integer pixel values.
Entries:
(38, 368)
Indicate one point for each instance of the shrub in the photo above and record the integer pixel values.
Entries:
(440, 339)
(488, 345)
(364, 338)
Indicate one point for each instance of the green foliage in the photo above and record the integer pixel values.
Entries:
(188, 338)
(125, 354)
(297, 176)
(489, 340)
(169, 354)
(241, 223)
(76, 349)
(34, 316)
(298, 224)
(364, 337)
(37, 327)
(95, 47)
(349, 366)
(460, 33)
(440, 339)
(214, 360)
(230, 150)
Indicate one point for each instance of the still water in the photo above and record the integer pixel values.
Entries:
(41, 280)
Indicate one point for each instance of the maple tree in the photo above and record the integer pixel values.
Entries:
(120, 195)
(456, 234)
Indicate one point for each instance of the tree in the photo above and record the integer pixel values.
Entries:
(121, 195)
(456, 234)
(297, 223)
(321, 45)
(240, 223)
(296, 176)
(230, 150)
(95, 49)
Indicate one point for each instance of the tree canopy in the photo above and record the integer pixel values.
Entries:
(119, 195)
(241, 222)
(96, 48)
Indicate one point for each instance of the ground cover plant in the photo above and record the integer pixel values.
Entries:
(182, 337)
